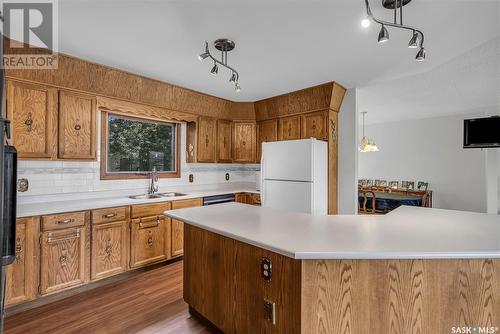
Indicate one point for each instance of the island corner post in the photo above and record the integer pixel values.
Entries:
(223, 283)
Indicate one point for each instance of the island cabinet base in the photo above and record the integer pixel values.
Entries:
(223, 283)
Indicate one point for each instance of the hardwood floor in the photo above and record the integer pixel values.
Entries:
(150, 302)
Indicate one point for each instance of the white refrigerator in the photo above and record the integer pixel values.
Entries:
(294, 175)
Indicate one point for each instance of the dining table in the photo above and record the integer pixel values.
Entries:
(388, 201)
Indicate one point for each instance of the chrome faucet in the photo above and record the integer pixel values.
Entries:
(153, 177)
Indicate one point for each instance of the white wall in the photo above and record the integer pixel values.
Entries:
(493, 180)
(56, 177)
(348, 154)
(429, 149)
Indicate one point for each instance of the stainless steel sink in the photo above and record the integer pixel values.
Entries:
(171, 194)
(145, 196)
(161, 195)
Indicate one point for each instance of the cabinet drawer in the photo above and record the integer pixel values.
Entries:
(186, 203)
(61, 221)
(108, 215)
(143, 210)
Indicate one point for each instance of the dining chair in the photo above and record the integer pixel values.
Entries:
(364, 209)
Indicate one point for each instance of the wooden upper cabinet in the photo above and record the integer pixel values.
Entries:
(315, 125)
(244, 142)
(201, 140)
(289, 128)
(22, 275)
(267, 131)
(224, 141)
(77, 126)
(32, 110)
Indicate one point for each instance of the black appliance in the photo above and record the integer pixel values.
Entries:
(210, 200)
(482, 132)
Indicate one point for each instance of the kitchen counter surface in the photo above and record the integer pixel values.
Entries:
(405, 233)
(98, 201)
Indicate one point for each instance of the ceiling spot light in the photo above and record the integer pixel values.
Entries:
(365, 23)
(383, 35)
(224, 45)
(420, 55)
(396, 7)
(215, 69)
(414, 41)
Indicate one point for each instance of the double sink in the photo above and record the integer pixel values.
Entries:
(160, 195)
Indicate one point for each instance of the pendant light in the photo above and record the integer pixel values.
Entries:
(365, 144)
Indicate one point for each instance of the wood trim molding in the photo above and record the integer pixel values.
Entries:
(124, 176)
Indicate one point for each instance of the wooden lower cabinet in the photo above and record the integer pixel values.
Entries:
(109, 249)
(177, 239)
(248, 198)
(63, 259)
(150, 240)
(22, 274)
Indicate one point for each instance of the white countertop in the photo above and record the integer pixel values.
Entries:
(82, 201)
(405, 233)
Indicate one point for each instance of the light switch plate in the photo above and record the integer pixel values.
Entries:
(270, 311)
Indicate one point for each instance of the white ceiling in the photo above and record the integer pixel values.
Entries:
(281, 46)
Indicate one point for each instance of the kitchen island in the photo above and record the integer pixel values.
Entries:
(416, 270)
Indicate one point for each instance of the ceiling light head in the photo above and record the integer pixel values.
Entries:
(421, 54)
(237, 87)
(203, 56)
(383, 35)
(233, 77)
(414, 41)
(365, 23)
(215, 69)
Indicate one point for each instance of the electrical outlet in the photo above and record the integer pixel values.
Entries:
(270, 311)
(22, 185)
(191, 178)
(227, 176)
(266, 268)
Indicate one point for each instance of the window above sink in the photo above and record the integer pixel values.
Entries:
(133, 147)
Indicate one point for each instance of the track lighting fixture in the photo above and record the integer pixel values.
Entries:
(383, 35)
(417, 39)
(420, 55)
(224, 45)
(414, 41)
(215, 69)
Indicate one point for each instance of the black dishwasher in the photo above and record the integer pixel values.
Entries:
(217, 199)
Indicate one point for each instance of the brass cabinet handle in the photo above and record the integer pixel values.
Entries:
(313, 127)
(289, 131)
(63, 260)
(224, 141)
(29, 122)
(143, 225)
(150, 241)
(206, 141)
(19, 249)
(78, 127)
(70, 237)
(65, 221)
(109, 248)
(109, 215)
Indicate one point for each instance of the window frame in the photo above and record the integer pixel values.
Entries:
(105, 175)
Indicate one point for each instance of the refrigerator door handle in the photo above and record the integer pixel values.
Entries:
(262, 179)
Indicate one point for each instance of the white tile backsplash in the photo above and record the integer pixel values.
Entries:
(54, 177)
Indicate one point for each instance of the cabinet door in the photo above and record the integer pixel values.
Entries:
(22, 274)
(77, 126)
(267, 131)
(314, 125)
(63, 258)
(177, 240)
(207, 130)
(150, 240)
(289, 128)
(244, 142)
(32, 110)
(241, 198)
(224, 139)
(109, 249)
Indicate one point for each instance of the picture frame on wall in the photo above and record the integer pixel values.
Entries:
(369, 183)
(394, 184)
(422, 186)
(411, 185)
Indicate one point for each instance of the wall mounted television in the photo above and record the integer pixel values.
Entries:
(482, 132)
